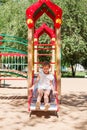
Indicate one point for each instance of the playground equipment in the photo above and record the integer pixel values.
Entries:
(32, 14)
(13, 61)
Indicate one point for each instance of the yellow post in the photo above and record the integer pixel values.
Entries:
(30, 58)
(58, 62)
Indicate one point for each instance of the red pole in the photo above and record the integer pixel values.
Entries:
(1, 38)
(0, 56)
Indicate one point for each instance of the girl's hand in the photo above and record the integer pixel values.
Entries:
(55, 92)
(31, 88)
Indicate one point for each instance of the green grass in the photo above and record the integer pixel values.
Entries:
(78, 74)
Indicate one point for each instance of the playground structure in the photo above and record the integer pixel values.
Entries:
(32, 14)
(13, 61)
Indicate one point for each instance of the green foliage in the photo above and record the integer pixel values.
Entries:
(3, 1)
(12, 18)
(73, 49)
(73, 32)
(44, 19)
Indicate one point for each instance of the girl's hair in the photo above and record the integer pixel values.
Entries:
(46, 63)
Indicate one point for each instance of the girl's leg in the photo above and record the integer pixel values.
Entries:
(46, 99)
(46, 96)
(40, 94)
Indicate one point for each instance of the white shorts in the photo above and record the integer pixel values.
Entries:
(44, 87)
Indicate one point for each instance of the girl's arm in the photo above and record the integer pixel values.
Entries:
(36, 81)
(52, 87)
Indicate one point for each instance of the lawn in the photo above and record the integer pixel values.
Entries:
(79, 74)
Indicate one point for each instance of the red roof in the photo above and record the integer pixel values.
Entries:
(44, 29)
(44, 6)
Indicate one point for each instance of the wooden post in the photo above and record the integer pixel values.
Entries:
(30, 58)
(58, 62)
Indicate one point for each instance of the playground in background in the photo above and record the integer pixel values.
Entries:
(13, 60)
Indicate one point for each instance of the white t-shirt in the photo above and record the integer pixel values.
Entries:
(44, 82)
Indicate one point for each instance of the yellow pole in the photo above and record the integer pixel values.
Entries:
(58, 62)
(30, 58)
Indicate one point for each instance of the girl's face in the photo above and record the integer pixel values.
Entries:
(46, 69)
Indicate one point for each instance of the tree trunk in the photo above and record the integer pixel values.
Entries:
(73, 71)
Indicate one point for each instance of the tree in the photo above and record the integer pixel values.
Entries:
(74, 32)
(12, 18)
(73, 52)
(3, 1)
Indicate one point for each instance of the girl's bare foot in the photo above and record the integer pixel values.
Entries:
(37, 105)
(47, 105)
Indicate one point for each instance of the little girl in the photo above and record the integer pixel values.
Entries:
(45, 85)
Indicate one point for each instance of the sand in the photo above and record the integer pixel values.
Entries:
(72, 114)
